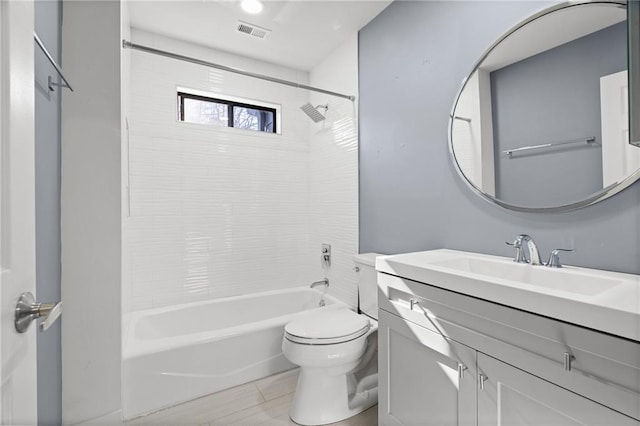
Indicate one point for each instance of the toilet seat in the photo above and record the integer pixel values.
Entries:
(327, 328)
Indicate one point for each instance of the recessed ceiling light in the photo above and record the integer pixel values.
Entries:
(251, 6)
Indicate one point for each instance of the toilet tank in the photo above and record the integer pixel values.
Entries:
(367, 283)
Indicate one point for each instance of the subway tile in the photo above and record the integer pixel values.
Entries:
(242, 190)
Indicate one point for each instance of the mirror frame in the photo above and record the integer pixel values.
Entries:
(633, 57)
(601, 195)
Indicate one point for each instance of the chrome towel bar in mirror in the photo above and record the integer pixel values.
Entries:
(509, 152)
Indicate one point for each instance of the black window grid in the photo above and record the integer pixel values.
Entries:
(230, 105)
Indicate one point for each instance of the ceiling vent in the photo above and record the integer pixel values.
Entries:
(253, 30)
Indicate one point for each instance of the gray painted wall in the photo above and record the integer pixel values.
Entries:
(90, 214)
(554, 96)
(47, 164)
(412, 60)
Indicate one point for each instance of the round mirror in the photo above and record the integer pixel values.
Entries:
(541, 124)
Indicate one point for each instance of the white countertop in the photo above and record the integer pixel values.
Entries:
(601, 300)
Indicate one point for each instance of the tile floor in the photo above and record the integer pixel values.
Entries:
(263, 402)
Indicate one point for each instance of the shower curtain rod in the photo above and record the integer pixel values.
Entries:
(130, 45)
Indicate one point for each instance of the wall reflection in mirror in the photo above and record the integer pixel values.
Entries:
(542, 123)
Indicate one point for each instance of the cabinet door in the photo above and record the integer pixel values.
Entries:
(510, 396)
(425, 379)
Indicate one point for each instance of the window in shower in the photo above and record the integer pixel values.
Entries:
(199, 109)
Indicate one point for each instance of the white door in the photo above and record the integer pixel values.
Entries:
(425, 379)
(619, 159)
(18, 400)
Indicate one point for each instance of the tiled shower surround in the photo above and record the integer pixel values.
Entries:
(216, 212)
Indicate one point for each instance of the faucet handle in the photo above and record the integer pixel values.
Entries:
(554, 258)
(520, 256)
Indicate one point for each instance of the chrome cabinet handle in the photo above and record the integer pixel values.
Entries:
(27, 310)
(482, 378)
(461, 369)
(567, 360)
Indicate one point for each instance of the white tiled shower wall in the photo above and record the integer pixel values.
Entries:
(216, 212)
(333, 162)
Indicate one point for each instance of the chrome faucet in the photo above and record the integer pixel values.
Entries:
(324, 282)
(521, 257)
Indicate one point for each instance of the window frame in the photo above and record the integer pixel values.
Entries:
(230, 106)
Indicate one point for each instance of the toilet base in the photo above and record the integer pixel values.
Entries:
(321, 398)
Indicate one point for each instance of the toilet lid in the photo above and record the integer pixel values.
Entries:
(327, 327)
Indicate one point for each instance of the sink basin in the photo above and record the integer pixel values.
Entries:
(562, 279)
(601, 300)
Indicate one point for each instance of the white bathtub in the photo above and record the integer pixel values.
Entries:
(178, 353)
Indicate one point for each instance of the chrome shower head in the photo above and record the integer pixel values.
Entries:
(313, 113)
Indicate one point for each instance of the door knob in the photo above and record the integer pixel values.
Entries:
(28, 310)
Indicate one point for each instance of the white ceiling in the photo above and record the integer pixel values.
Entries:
(304, 32)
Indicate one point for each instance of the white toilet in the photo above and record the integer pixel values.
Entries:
(337, 351)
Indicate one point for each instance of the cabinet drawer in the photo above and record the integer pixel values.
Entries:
(602, 367)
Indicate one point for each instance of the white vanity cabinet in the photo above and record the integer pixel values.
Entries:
(521, 368)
